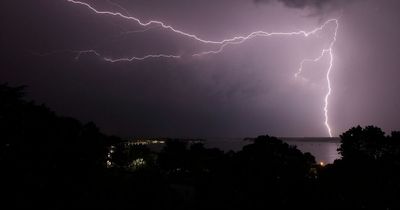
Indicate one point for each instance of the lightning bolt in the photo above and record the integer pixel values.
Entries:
(114, 60)
(325, 51)
(222, 44)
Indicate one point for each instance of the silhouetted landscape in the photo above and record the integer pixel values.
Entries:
(54, 162)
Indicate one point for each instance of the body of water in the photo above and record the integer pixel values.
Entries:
(323, 149)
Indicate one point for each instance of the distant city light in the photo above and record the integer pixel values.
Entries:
(109, 164)
(138, 163)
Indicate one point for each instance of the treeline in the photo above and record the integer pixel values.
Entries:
(56, 162)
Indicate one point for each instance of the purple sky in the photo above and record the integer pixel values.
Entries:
(247, 90)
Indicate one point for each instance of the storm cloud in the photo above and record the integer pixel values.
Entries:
(318, 4)
(247, 90)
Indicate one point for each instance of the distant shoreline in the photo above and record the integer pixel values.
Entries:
(286, 139)
(312, 139)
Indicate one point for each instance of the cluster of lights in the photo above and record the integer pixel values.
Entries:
(146, 142)
(137, 163)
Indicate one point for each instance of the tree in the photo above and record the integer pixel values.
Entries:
(363, 143)
(42, 154)
(173, 155)
(274, 157)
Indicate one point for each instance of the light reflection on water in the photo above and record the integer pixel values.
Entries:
(322, 151)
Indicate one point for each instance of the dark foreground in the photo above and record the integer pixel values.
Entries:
(55, 162)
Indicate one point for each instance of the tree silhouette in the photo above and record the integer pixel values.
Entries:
(173, 156)
(43, 153)
(369, 143)
(367, 175)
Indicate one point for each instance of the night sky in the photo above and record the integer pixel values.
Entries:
(247, 90)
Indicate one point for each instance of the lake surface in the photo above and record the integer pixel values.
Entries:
(323, 149)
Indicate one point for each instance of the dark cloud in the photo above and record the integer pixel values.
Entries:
(248, 90)
(319, 4)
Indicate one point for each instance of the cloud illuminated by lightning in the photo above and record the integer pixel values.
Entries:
(222, 44)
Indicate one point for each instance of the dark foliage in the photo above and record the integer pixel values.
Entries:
(367, 176)
(55, 162)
